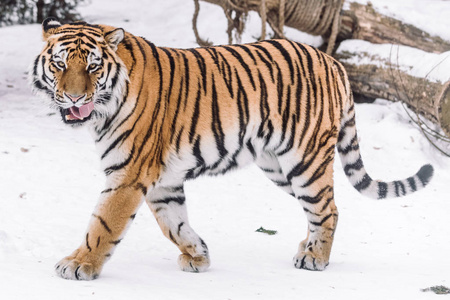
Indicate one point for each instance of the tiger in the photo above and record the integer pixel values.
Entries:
(161, 116)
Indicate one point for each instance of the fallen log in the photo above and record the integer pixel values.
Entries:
(396, 76)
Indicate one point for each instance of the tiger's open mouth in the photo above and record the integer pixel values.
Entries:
(75, 114)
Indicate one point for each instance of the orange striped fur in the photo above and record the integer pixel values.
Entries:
(161, 116)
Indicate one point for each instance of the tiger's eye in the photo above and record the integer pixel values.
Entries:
(61, 64)
(92, 67)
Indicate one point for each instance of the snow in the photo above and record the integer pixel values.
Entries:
(50, 180)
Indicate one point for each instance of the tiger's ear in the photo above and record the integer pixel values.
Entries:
(49, 27)
(114, 37)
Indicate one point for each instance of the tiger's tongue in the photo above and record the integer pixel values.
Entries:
(83, 111)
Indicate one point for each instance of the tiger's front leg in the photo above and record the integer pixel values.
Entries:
(114, 212)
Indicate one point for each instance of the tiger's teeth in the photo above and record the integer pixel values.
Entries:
(70, 118)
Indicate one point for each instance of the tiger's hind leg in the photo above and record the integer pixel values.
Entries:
(312, 184)
(268, 163)
(169, 209)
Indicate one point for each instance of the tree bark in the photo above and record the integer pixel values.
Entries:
(381, 79)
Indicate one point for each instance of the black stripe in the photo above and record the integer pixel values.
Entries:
(286, 56)
(44, 77)
(243, 110)
(160, 70)
(285, 115)
(327, 203)
(172, 238)
(197, 152)
(115, 242)
(290, 143)
(129, 47)
(364, 183)
(87, 242)
(263, 49)
(352, 146)
(243, 64)
(412, 183)
(116, 75)
(143, 188)
(93, 41)
(281, 183)
(248, 51)
(178, 141)
(180, 200)
(172, 70)
(175, 117)
(179, 227)
(250, 148)
(264, 109)
(201, 65)
(310, 212)
(320, 171)
(119, 166)
(35, 65)
(399, 188)
(67, 37)
(227, 74)
(213, 53)
(186, 78)
(402, 187)
(195, 115)
(280, 90)
(106, 125)
(382, 190)
(303, 165)
(270, 130)
(316, 199)
(103, 222)
(118, 140)
(216, 124)
(396, 189)
(141, 49)
(358, 165)
(322, 221)
(268, 65)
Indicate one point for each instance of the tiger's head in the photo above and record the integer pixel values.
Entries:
(79, 72)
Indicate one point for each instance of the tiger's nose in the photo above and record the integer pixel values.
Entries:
(74, 98)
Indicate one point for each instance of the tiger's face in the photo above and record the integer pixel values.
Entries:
(79, 72)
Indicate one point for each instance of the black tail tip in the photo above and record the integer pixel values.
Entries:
(425, 173)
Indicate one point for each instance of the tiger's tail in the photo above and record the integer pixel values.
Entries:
(348, 148)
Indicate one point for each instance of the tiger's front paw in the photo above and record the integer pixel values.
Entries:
(78, 267)
(309, 261)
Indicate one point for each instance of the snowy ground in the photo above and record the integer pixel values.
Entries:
(50, 179)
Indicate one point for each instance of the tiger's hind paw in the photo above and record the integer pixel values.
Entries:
(195, 264)
(307, 260)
